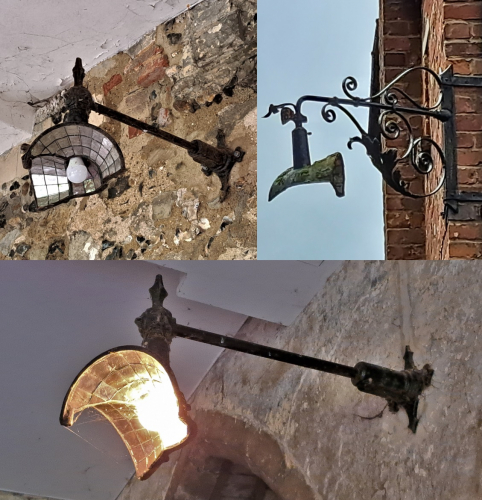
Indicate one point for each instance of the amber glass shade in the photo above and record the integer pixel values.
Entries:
(135, 393)
(48, 157)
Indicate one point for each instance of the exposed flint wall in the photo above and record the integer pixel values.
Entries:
(190, 76)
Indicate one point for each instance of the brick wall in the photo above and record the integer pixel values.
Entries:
(434, 33)
(463, 45)
(400, 26)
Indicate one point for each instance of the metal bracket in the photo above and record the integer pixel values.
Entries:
(459, 205)
(400, 389)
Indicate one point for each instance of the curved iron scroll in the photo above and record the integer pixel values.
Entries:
(392, 121)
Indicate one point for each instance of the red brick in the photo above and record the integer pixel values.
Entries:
(407, 252)
(113, 82)
(408, 220)
(405, 236)
(471, 10)
(465, 140)
(395, 59)
(401, 28)
(476, 67)
(466, 250)
(464, 104)
(471, 232)
(456, 48)
(137, 63)
(134, 132)
(468, 123)
(478, 139)
(461, 66)
(397, 43)
(153, 70)
(399, 202)
(469, 157)
(457, 30)
(476, 29)
(469, 176)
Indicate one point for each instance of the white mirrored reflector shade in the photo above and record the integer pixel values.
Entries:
(135, 393)
(49, 155)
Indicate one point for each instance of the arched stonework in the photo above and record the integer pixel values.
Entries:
(223, 438)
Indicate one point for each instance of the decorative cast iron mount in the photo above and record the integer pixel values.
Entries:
(219, 160)
(392, 120)
(401, 389)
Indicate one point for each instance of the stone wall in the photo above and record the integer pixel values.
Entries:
(191, 76)
(310, 435)
(7, 495)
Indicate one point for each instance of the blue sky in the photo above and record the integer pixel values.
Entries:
(309, 47)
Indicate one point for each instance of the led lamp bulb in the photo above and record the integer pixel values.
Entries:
(77, 171)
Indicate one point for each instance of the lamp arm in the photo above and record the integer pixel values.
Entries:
(149, 129)
(401, 389)
(218, 160)
(263, 351)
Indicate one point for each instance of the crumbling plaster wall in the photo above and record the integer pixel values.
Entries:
(301, 431)
(191, 76)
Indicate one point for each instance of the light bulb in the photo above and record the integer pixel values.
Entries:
(77, 171)
(159, 411)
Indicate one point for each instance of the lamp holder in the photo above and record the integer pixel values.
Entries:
(401, 389)
(219, 159)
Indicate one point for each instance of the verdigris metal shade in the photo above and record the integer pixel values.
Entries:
(139, 397)
(48, 156)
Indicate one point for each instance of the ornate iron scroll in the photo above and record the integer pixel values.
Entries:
(392, 121)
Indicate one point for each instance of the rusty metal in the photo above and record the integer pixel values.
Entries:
(401, 389)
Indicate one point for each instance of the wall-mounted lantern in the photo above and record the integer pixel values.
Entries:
(136, 391)
(390, 120)
(77, 159)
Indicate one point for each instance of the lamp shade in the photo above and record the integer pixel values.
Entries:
(331, 169)
(48, 158)
(140, 398)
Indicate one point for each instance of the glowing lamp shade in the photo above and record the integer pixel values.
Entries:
(71, 160)
(136, 394)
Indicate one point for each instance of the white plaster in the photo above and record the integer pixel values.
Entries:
(39, 42)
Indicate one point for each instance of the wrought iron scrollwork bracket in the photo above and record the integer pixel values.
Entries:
(393, 119)
(459, 205)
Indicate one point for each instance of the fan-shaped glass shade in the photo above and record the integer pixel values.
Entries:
(49, 155)
(132, 390)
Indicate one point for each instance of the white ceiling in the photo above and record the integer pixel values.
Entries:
(39, 41)
(57, 316)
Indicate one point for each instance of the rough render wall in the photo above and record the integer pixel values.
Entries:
(191, 76)
(7, 495)
(301, 431)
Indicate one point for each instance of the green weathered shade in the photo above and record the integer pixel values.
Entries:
(331, 169)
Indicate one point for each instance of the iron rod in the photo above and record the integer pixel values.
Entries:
(263, 351)
(442, 115)
(132, 122)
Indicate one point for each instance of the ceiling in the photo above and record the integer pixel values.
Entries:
(39, 42)
(57, 316)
